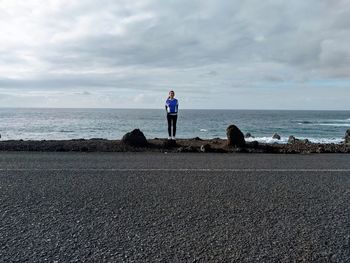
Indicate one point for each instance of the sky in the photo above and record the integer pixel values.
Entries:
(214, 54)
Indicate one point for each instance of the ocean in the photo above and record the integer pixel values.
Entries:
(62, 124)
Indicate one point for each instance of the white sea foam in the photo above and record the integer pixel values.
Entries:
(285, 140)
(334, 123)
(267, 139)
(340, 120)
(203, 130)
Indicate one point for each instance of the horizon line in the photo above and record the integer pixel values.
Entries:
(238, 109)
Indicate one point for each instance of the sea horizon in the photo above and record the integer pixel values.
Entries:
(207, 109)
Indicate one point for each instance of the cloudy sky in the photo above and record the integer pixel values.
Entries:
(248, 54)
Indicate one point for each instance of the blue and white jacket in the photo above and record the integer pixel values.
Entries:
(172, 106)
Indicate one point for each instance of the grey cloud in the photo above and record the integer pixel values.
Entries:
(190, 35)
(190, 45)
(49, 83)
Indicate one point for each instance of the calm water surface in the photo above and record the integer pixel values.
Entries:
(39, 124)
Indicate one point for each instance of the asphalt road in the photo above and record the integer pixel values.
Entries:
(153, 207)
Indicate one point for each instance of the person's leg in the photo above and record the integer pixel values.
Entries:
(169, 124)
(174, 124)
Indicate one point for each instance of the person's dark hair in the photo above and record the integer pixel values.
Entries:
(170, 92)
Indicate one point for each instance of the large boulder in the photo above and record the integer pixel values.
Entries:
(347, 137)
(234, 136)
(135, 138)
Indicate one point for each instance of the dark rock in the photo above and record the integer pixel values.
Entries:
(240, 150)
(347, 137)
(196, 139)
(234, 136)
(169, 143)
(190, 149)
(292, 139)
(320, 149)
(215, 141)
(254, 144)
(180, 149)
(135, 138)
(205, 148)
(276, 136)
(84, 149)
(186, 149)
(306, 141)
(248, 135)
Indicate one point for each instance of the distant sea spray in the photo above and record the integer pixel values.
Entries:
(61, 124)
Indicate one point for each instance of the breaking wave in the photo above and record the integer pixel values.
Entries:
(285, 140)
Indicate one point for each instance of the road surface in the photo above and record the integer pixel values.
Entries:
(156, 207)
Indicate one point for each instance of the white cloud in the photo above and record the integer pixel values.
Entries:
(203, 48)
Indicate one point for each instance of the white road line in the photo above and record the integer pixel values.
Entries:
(171, 170)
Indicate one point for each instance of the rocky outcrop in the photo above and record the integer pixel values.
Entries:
(347, 137)
(292, 139)
(135, 138)
(234, 136)
(276, 136)
(161, 145)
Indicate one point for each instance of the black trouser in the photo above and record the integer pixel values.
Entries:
(172, 118)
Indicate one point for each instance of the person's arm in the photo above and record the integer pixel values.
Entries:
(166, 107)
(177, 105)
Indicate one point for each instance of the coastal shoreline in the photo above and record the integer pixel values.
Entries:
(163, 145)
